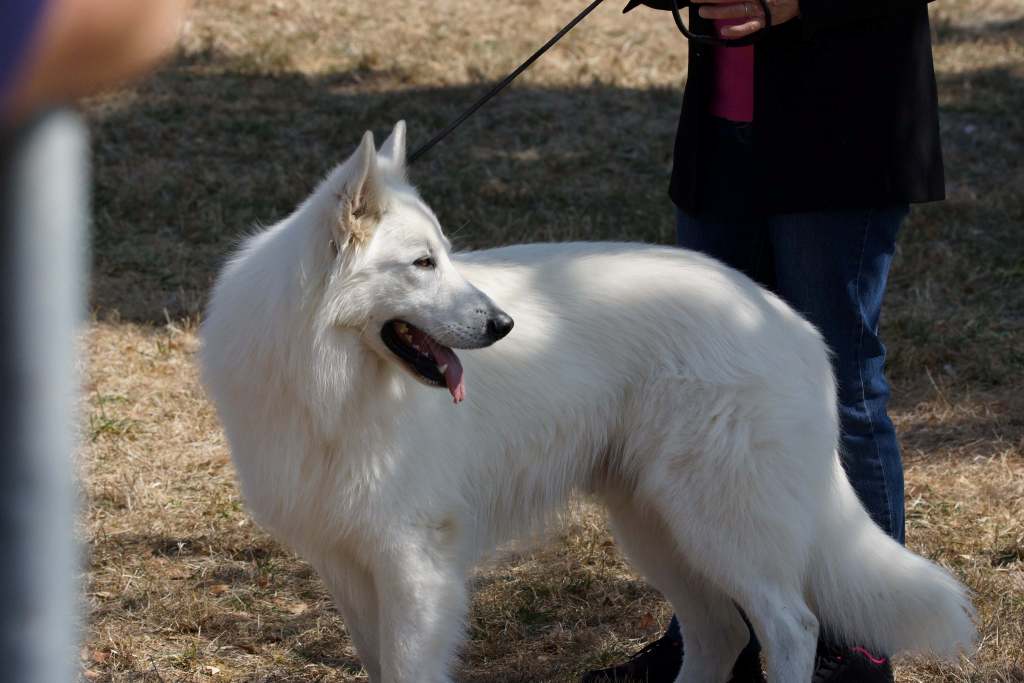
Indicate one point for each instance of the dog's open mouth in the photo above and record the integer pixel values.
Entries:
(435, 363)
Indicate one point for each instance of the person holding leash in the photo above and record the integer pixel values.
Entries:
(796, 159)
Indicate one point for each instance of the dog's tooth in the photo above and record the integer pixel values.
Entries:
(442, 368)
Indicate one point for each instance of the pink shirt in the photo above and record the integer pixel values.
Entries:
(732, 92)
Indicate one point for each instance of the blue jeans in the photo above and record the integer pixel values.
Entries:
(832, 267)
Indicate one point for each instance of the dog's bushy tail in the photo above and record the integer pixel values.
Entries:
(871, 591)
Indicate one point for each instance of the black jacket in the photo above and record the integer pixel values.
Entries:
(845, 110)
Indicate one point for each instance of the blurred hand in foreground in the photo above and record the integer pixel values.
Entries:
(80, 47)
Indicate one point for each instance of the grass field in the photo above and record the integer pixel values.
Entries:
(264, 96)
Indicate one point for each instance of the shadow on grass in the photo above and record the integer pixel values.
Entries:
(955, 306)
(201, 155)
(171, 547)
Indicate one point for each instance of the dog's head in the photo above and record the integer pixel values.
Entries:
(390, 274)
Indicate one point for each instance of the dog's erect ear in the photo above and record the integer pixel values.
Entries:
(393, 148)
(360, 199)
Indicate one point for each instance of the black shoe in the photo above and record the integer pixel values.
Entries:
(850, 665)
(660, 662)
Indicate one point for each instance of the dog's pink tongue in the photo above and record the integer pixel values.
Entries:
(453, 372)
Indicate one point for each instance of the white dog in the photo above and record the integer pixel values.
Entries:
(697, 406)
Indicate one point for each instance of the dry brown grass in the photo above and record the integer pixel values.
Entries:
(266, 95)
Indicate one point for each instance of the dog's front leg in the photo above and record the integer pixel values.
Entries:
(423, 609)
(355, 596)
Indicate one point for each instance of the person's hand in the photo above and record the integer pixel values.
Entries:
(781, 10)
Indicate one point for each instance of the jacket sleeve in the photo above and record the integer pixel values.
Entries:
(822, 14)
(19, 24)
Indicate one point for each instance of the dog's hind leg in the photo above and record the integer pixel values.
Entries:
(355, 597)
(713, 631)
(784, 624)
(787, 629)
(756, 551)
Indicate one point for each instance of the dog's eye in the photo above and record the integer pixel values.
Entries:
(425, 262)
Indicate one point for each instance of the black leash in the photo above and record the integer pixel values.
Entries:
(424, 148)
(504, 83)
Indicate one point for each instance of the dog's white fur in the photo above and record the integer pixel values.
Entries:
(697, 406)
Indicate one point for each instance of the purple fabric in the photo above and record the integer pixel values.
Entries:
(18, 22)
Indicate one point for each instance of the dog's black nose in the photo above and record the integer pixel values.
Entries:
(499, 326)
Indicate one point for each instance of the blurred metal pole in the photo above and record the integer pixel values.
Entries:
(43, 223)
